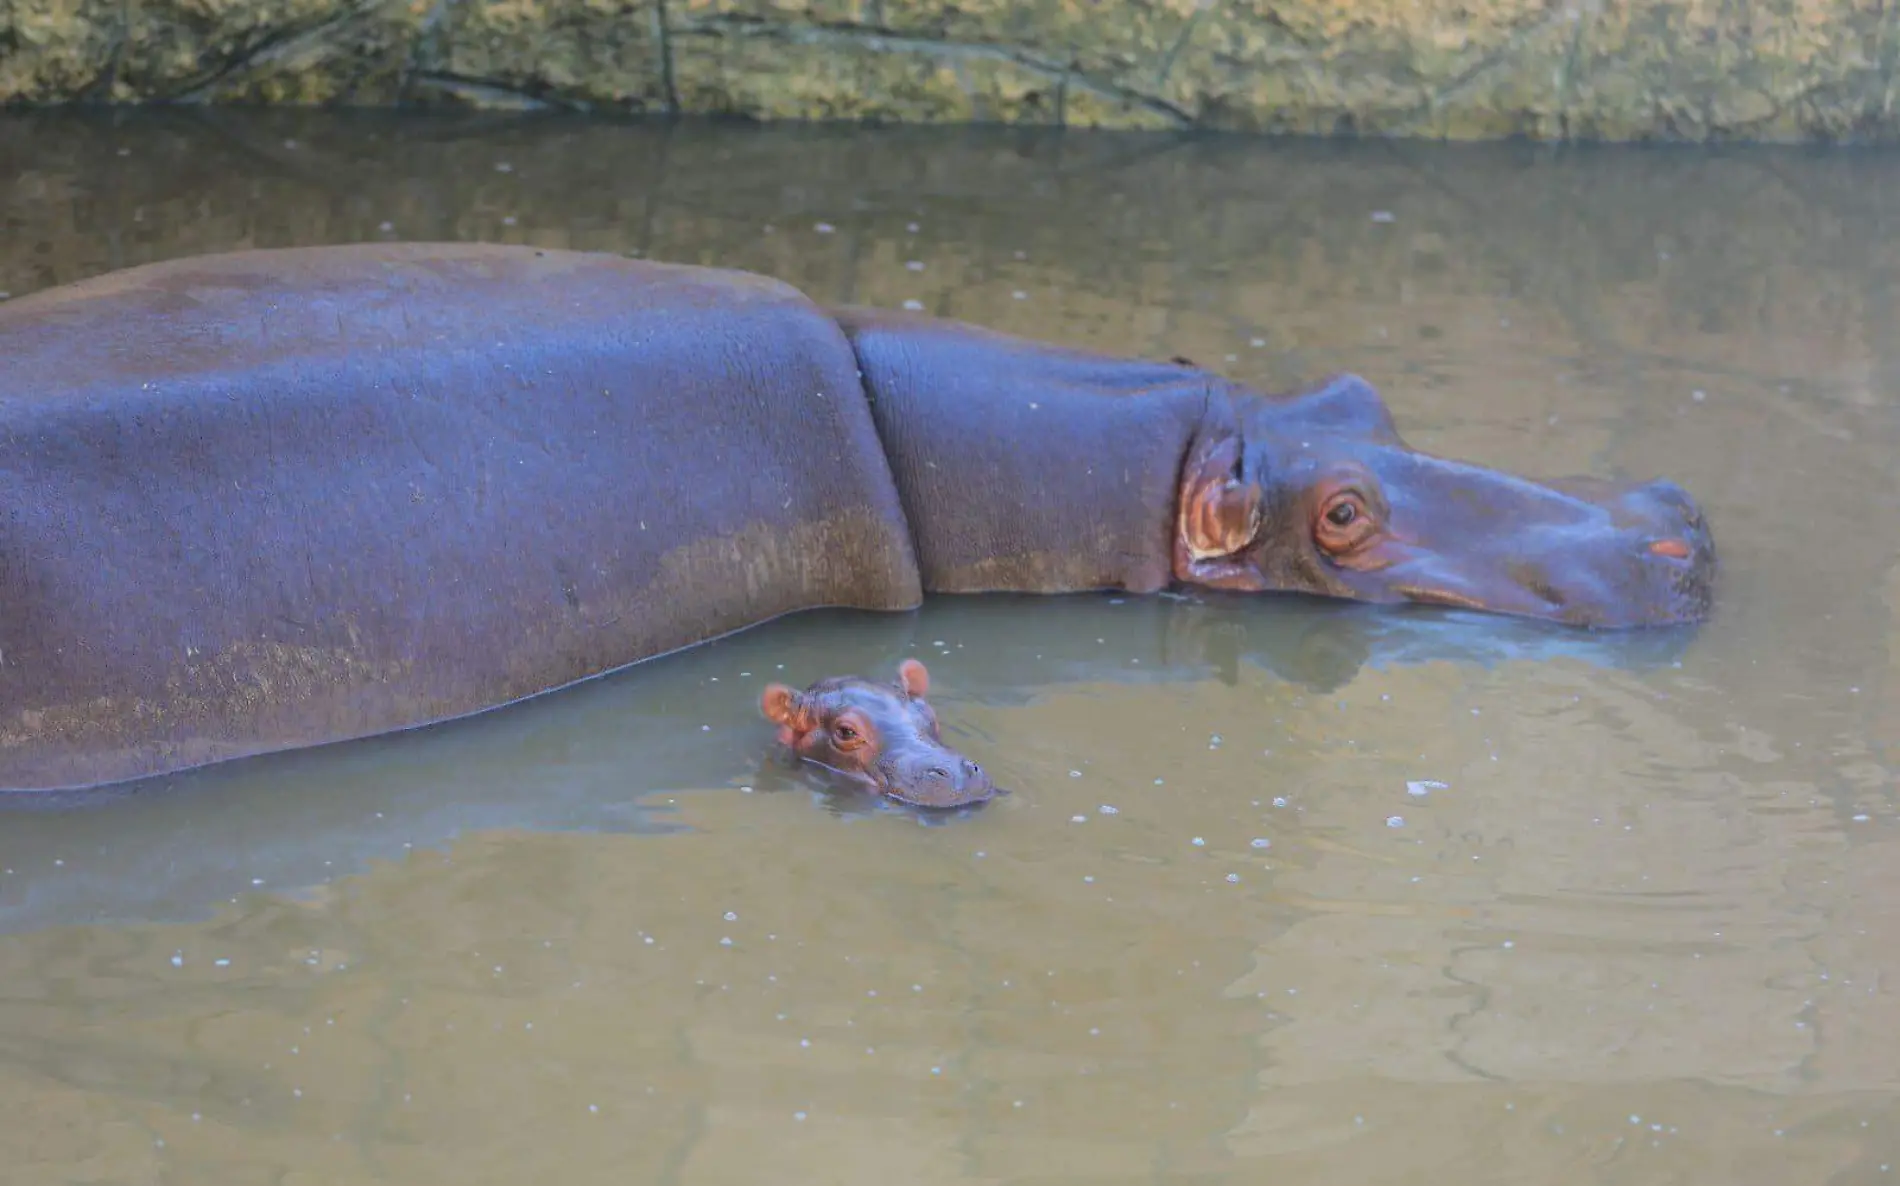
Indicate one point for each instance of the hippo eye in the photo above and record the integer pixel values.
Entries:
(846, 737)
(1344, 524)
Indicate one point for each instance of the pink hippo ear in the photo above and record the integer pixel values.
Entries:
(785, 708)
(914, 679)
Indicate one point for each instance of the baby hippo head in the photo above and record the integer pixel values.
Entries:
(881, 735)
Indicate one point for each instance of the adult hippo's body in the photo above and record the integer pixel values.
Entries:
(273, 499)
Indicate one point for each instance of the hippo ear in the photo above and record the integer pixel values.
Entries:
(1220, 511)
(913, 678)
(783, 706)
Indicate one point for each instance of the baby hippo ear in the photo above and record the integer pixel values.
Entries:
(913, 678)
(783, 706)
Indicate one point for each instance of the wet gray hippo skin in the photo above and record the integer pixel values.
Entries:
(274, 499)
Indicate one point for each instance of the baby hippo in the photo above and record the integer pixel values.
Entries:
(881, 735)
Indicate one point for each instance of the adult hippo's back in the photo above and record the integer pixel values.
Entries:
(272, 499)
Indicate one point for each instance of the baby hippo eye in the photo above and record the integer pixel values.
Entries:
(1342, 514)
(845, 733)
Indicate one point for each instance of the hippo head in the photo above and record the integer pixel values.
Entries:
(1317, 494)
(882, 735)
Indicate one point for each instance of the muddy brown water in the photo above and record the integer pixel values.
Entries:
(1286, 892)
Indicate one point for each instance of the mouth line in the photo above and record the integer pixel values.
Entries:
(956, 806)
(1444, 597)
(869, 783)
(851, 775)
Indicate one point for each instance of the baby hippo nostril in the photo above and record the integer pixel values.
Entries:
(970, 767)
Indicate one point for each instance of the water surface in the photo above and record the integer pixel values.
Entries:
(1287, 891)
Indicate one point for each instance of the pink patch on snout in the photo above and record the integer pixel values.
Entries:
(1675, 549)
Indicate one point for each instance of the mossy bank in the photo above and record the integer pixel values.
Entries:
(1463, 69)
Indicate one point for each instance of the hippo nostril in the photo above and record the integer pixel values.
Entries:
(972, 767)
(1669, 493)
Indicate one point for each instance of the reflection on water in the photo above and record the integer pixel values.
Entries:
(1286, 890)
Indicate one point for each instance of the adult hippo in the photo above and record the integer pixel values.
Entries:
(272, 499)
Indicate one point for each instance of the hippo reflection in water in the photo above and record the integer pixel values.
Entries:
(884, 737)
(279, 498)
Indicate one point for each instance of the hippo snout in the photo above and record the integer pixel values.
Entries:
(1643, 557)
(941, 779)
(1675, 567)
(1581, 551)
